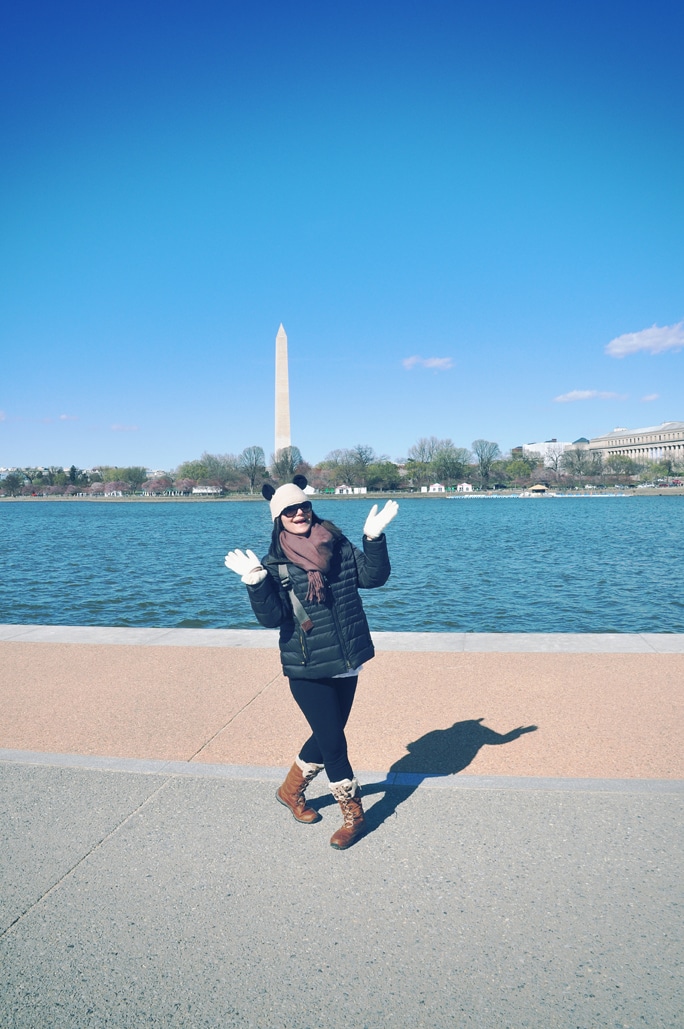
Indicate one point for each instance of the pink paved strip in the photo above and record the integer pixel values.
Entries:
(598, 715)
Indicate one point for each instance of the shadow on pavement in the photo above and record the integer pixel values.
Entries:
(437, 753)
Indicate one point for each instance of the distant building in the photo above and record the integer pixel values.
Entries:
(351, 489)
(435, 488)
(549, 451)
(207, 491)
(464, 487)
(654, 443)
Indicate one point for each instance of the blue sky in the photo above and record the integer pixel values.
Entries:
(468, 217)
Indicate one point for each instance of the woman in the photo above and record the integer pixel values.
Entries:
(308, 586)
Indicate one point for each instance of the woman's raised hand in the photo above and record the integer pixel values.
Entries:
(247, 565)
(376, 523)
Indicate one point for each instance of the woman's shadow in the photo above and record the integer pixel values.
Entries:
(437, 753)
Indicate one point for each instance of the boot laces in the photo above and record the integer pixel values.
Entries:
(349, 812)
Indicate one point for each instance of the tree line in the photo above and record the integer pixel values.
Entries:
(428, 461)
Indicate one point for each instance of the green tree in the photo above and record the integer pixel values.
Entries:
(418, 473)
(519, 468)
(192, 470)
(660, 470)
(12, 484)
(383, 475)
(621, 464)
(136, 475)
(449, 462)
(55, 475)
(499, 473)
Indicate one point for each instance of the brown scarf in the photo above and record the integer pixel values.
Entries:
(312, 553)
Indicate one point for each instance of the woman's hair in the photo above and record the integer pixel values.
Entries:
(276, 550)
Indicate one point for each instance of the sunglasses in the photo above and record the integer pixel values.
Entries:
(291, 511)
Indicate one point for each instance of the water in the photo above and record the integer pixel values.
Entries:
(592, 564)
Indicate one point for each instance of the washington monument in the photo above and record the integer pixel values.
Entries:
(282, 394)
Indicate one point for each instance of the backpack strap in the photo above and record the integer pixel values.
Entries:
(299, 612)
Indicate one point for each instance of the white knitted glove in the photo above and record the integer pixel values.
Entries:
(377, 523)
(246, 565)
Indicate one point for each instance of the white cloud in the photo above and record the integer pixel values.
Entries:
(649, 397)
(124, 428)
(587, 394)
(654, 340)
(438, 364)
(68, 418)
(3, 416)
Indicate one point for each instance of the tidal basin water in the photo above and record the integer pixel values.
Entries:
(566, 564)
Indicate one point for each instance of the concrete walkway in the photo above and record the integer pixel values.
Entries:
(523, 866)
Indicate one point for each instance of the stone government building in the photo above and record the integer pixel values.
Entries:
(655, 443)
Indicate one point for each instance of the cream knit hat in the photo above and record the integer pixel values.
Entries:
(287, 495)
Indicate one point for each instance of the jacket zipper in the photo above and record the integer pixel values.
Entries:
(340, 637)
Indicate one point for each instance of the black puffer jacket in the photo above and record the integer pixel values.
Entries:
(340, 639)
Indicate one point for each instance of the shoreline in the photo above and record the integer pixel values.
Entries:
(673, 491)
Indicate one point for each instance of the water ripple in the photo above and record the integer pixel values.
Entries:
(542, 565)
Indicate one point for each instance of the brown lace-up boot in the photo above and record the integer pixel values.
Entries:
(346, 793)
(291, 793)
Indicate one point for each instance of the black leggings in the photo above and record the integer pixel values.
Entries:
(326, 703)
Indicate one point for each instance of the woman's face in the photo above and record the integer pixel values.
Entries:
(297, 518)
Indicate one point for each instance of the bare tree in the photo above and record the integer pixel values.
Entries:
(554, 458)
(331, 468)
(347, 466)
(596, 463)
(577, 462)
(424, 450)
(285, 462)
(223, 467)
(485, 451)
(362, 456)
(253, 463)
